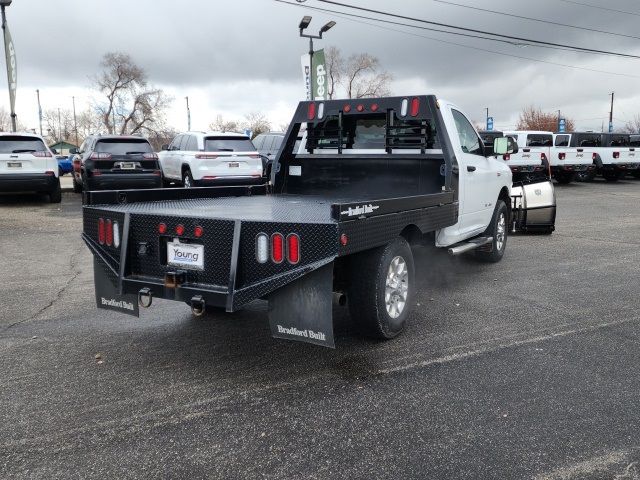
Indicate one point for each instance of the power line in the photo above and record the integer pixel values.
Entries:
(347, 16)
(522, 17)
(483, 32)
(600, 8)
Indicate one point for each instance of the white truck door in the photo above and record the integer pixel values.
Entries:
(477, 175)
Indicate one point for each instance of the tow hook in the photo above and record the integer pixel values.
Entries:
(198, 306)
(145, 297)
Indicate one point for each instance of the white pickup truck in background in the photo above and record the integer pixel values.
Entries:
(567, 162)
(532, 160)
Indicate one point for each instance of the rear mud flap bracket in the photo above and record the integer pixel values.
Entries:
(302, 310)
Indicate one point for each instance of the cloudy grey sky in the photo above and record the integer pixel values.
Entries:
(232, 57)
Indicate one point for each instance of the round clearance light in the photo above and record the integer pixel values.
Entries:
(346, 108)
(198, 231)
(360, 108)
(344, 239)
(180, 229)
(374, 107)
(162, 228)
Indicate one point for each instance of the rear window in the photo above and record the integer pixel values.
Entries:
(620, 141)
(635, 140)
(18, 144)
(562, 140)
(537, 140)
(369, 132)
(489, 137)
(228, 144)
(589, 141)
(118, 146)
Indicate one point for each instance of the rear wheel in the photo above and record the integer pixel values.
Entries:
(55, 195)
(565, 178)
(77, 188)
(610, 176)
(497, 229)
(381, 289)
(187, 179)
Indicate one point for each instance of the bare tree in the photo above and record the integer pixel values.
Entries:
(335, 69)
(132, 105)
(532, 118)
(222, 125)
(633, 126)
(257, 122)
(363, 77)
(59, 126)
(5, 121)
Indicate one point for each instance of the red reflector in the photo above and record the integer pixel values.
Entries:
(344, 239)
(162, 229)
(616, 154)
(374, 107)
(543, 157)
(293, 248)
(415, 106)
(311, 112)
(593, 156)
(360, 108)
(198, 231)
(277, 248)
(347, 108)
(506, 157)
(562, 156)
(180, 229)
(109, 233)
(101, 234)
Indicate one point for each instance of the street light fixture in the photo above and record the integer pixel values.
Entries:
(304, 23)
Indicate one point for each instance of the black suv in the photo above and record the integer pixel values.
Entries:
(111, 162)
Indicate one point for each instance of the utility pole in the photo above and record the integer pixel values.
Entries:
(39, 111)
(75, 120)
(188, 115)
(611, 113)
(486, 123)
(558, 126)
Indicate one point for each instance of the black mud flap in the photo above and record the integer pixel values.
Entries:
(302, 310)
(107, 295)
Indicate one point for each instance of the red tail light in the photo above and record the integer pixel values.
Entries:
(543, 157)
(109, 233)
(293, 248)
(179, 229)
(616, 154)
(198, 231)
(415, 106)
(254, 156)
(311, 111)
(162, 228)
(101, 232)
(593, 156)
(506, 157)
(100, 156)
(562, 156)
(150, 156)
(346, 108)
(344, 239)
(41, 154)
(277, 248)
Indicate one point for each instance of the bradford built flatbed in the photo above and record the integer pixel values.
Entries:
(338, 215)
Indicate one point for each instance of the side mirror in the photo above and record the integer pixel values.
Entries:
(73, 151)
(165, 147)
(54, 151)
(504, 146)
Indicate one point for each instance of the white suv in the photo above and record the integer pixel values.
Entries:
(27, 165)
(209, 158)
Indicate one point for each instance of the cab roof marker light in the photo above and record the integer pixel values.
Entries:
(404, 108)
(415, 106)
(311, 111)
(320, 111)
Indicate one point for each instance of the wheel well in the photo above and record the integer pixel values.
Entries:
(184, 168)
(412, 234)
(506, 198)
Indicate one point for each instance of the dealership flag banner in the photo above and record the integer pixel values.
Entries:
(12, 67)
(319, 76)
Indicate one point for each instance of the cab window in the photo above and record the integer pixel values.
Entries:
(562, 140)
(469, 140)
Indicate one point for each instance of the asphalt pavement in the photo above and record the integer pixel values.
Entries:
(523, 369)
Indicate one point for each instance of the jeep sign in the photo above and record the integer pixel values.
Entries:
(12, 69)
(319, 76)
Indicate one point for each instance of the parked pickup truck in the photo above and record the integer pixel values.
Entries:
(567, 161)
(531, 162)
(370, 179)
(614, 154)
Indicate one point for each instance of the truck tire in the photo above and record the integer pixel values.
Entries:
(381, 289)
(55, 195)
(611, 176)
(565, 178)
(77, 188)
(498, 229)
(187, 179)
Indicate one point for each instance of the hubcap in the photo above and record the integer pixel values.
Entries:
(396, 287)
(501, 229)
(186, 182)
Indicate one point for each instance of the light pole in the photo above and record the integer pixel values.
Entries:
(11, 63)
(39, 111)
(188, 115)
(611, 113)
(304, 23)
(487, 118)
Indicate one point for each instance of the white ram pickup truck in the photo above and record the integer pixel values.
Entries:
(567, 162)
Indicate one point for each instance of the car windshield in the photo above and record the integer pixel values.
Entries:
(228, 144)
(118, 146)
(17, 144)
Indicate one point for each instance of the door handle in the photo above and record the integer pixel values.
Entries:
(471, 168)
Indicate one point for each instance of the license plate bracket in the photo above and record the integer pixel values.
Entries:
(14, 164)
(185, 255)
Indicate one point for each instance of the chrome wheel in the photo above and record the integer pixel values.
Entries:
(396, 287)
(501, 229)
(186, 181)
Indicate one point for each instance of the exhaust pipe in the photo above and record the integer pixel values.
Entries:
(145, 297)
(198, 306)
